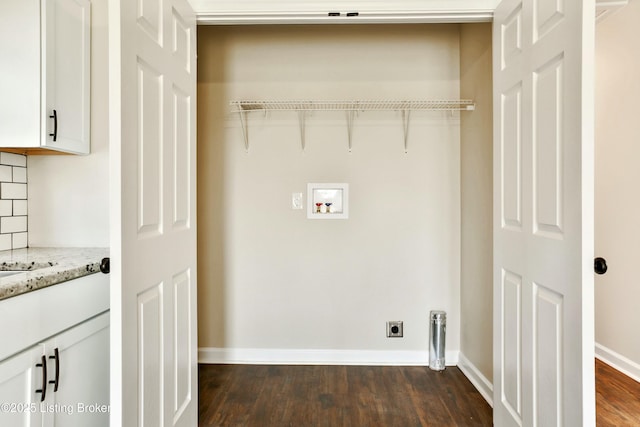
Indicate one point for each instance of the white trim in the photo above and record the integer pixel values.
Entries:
(262, 356)
(250, 12)
(377, 17)
(238, 12)
(618, 361)
(479, 381)
(340, 5)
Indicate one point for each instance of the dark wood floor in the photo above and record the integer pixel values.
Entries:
(342, 396)
(338, 396)
(617, 398)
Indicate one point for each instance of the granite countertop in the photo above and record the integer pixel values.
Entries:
(42, 267)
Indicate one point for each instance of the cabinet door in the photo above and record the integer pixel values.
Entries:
(20, 377)
(66, 73)
(82, 396)
(20, 73)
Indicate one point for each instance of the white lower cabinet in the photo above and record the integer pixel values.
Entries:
(20, 377)
(76, 379)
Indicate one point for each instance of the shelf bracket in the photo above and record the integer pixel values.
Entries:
(302, 117)
(406, 118)
(245, 130)
(350, 116)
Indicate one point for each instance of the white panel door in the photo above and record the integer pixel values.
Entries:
(153, 304)
(543, 213)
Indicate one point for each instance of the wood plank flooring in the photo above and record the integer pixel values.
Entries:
(617, 398)
(338, 396)
(358, 396)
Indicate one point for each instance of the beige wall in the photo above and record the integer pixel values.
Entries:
(268, 277)
(476, 148)
(617, 177)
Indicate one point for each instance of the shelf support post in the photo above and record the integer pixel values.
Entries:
(406, 118)
(245, 130)
(302, 116)
(350, 115)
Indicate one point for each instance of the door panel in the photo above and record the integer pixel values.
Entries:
(548, 148)
(154, 227)
(548, 367)
(511, 332)
(543, 213)
(182, 154)
(512, 159)
(150, 356)
(150, 116)
(182, 343)
(547, 14)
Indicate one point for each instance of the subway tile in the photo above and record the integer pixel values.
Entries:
(5, 174)
(13, 159)
(19, 207)
(19, 174)
(5, 242)
(6, 207)
(13, 224)
(13, 201)
(9, 190)
(20, 241)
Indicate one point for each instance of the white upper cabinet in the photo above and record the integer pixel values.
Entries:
(45, 74)
(20, 73)
(66, 73)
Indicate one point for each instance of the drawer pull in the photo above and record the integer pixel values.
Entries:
(56, 382)
(43, 390)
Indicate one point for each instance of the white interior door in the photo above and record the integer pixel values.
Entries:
(543, 213)
(153, 230)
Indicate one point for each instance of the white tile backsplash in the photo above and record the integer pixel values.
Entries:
(13, 159)
(19, 207)
(13, 224)
(20, 240)
(6, 208)
(12, 191)
(19, 174)
(6, 174)
(6, 241)
(13, 201)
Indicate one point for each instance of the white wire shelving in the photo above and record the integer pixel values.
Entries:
(351, 108)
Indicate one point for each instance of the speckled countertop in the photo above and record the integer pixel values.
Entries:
(42, 267)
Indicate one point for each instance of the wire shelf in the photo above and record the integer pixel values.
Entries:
(366, 105)
(243, 107)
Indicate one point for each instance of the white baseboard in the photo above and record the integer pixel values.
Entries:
(618, 361)
(479, 381)
(261, 356)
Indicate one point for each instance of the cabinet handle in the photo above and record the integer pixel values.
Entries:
(55, 125)
(55, 382)
(43, 390)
